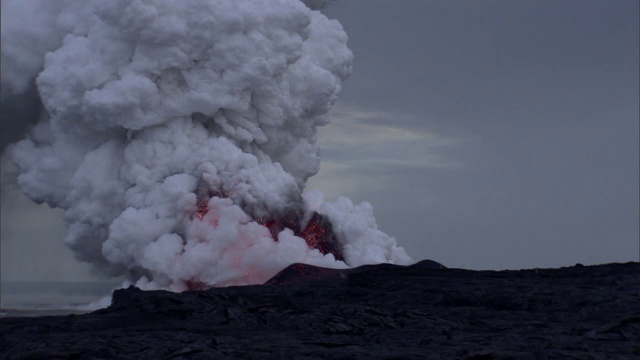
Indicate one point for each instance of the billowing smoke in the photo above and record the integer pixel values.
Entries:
(178, 135)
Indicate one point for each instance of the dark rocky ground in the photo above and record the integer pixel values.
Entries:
(381, 311)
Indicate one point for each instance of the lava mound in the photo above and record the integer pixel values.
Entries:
(422, 311)
(304, 273)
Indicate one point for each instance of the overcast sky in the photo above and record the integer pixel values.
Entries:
(486, 134)
(492, 134)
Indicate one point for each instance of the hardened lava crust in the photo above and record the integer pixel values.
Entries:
(421, 311)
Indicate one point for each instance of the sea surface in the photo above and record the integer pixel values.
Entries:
(36, 298)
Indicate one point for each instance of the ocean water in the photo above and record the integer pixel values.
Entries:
(35, 298)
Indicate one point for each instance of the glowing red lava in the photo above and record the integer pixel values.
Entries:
(318, 231)
(196, 285)
(203, 208)
(204, 194)
(319, 235)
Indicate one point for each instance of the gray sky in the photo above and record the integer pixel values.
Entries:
(506, 132)
(486, 134)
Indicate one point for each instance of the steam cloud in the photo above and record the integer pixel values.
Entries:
(178, 135)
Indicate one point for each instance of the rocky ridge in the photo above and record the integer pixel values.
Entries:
(422, 311)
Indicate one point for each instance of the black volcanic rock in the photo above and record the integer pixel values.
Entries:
(375, 311)
(303, 273)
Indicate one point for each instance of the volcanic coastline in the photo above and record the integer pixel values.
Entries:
(421, 311)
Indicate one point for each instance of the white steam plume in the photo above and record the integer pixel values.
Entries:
(174, 133)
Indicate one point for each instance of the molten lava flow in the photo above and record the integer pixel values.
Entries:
(203, 208)
(318, 232)
(204, 194)
(319, 235)
(197, 285)
(276, 224)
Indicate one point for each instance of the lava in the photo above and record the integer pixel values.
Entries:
(317, 233)
(203, 208)
(204, 194)
(196, 285)
(277, 223)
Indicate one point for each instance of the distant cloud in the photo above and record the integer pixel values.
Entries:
(360, 143)
(372, 138)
